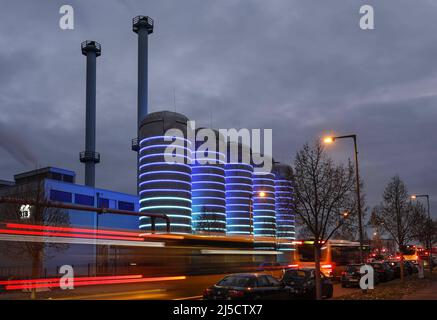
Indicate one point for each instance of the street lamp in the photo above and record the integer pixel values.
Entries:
(414, 197)
(343, 217)
(329, 140)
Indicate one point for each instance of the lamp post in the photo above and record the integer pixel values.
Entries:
(414, 197)
(360, 223)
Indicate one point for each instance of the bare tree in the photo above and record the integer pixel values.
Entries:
(425, 230)
(349, 230)
(35, 252)
(397, 215)
(323, 194)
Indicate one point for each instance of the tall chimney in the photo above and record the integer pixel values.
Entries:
(91, 49)
(143, 26)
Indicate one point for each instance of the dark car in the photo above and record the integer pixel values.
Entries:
(395, 265)
(303, 285)
(384, 271)
(247, 286)
(351, 276)
(272, 268)
(413, 266)
(409, 267)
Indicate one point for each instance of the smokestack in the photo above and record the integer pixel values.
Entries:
(90, 49)
(143, 26)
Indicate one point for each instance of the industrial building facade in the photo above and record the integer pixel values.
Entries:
(223, 199)
(218, 197)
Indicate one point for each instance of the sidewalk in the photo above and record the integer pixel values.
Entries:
(428, 293)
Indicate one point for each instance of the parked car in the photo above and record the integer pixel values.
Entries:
(395, 265)
(351, 276)
(247, 286)
(384, 271)
(272, 268)
(412, 266)
(303, 285)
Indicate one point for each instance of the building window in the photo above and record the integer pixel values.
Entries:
(56, 176)
(83, 199)
(129, 206)
(103, 203)
(68, 178)
(62, 196)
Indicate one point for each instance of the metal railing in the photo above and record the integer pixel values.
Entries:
(91, 156)
(142, 21)
(91, 45)
(135, 145)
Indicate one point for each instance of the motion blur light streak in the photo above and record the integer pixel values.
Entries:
(59, 234)
(162, 236)
(47, 280)
(254, 252)
(51, 239)
(68, 229)
(93, 282)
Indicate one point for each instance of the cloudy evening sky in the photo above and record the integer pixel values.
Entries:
(301, 67)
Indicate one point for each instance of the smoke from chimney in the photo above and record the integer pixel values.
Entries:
(13, 144)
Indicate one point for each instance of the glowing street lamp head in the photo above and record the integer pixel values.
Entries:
(328, 140)
(414, 197)
(345, 214)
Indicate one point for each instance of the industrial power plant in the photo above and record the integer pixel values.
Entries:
(226, 198)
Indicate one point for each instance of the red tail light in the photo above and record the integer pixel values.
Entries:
(235, 293)
(207, 292)
(343, 273)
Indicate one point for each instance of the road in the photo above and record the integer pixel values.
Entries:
(190, 288)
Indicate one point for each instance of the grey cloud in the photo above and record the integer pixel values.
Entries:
(302, 68)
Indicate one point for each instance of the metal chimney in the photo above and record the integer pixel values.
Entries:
(143, 26)
(91, 49)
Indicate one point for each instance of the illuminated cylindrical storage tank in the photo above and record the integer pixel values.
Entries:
(239, 218)
(285, 219)
(264, 209)
(208, 185)
(165, 178)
